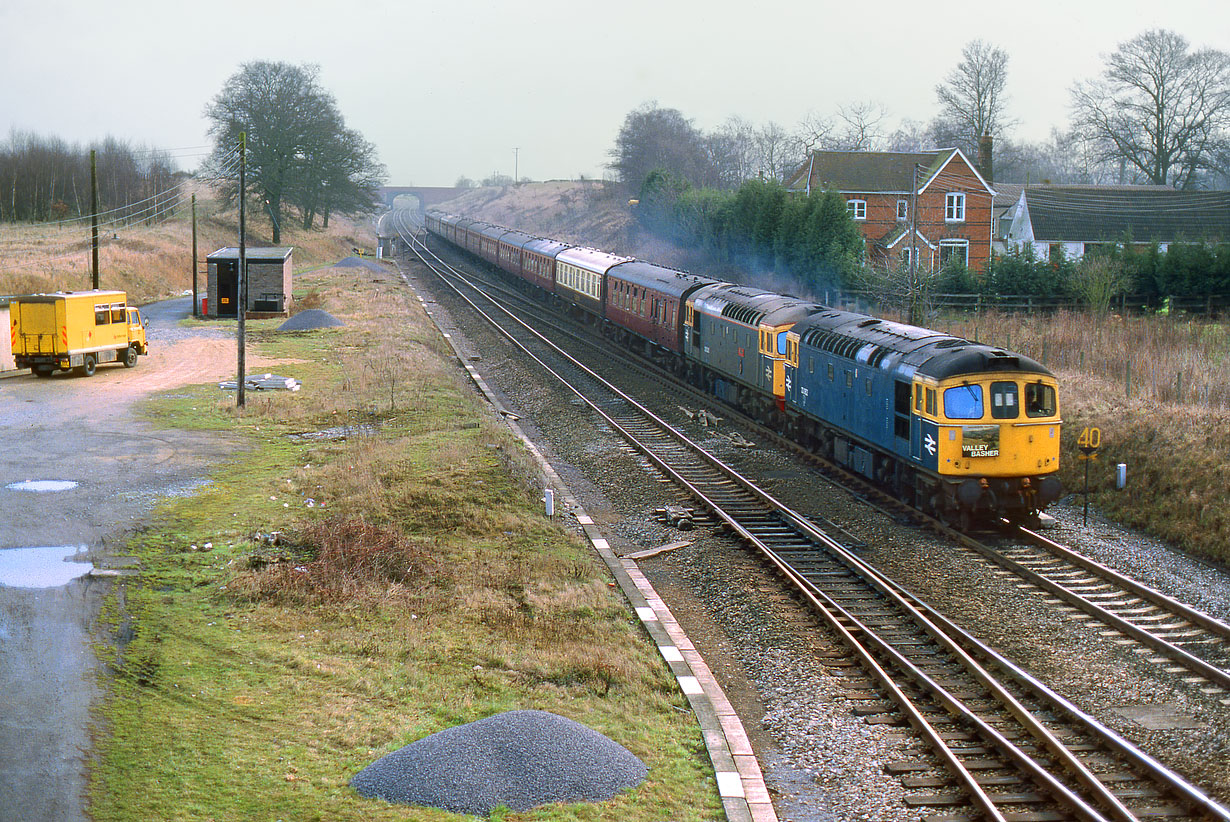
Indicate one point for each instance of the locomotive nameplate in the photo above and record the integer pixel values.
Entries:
(979, 441)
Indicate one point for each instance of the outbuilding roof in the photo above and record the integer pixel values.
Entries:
(1109, 213)
(278, 253)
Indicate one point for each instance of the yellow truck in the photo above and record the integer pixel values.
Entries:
(75, 330)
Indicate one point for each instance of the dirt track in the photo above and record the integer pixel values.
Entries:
(83, 430)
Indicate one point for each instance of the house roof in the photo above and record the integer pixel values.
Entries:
(873, 171)
(1108, 213)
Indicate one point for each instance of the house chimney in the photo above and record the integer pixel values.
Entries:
(985, 165)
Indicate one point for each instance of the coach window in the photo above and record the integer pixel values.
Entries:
(1004, 404)
(963, 402)
(832, 375)
(1040, 400)
(931, 402)
(918, 398)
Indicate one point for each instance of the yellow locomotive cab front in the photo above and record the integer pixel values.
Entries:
(1000, 425)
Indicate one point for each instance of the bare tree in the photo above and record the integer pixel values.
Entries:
(972, 100)
(731, 153)
(911, 135)
(861, 126)
(774, 157)
(1160, 108)
(815, 132)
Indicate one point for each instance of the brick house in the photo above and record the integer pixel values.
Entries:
(953, 201)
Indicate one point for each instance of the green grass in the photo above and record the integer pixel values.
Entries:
(421, 590)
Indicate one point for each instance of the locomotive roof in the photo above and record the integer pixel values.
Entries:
(659, 278)
(591, 259)
(906, 349)
(751, 306)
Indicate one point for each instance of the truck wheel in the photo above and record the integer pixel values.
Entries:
(130, 357)
(88, 366)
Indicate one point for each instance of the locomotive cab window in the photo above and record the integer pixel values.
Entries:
(1004, 404)
(963, 402)
(1040, 400)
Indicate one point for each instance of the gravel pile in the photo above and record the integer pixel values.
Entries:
(359, 262)
(309, 319)
(519, 759)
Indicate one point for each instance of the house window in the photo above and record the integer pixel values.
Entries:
(954, 208)
(857, 209)
(903, 210)
(905, 256)
(950, 249)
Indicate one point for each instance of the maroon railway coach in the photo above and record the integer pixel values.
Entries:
(647, 301)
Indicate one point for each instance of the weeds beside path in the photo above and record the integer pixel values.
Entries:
(414, 585)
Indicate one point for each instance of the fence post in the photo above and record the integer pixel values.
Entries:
(1128, 379)
(1178, 386)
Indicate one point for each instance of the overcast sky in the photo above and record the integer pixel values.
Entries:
(451, 87)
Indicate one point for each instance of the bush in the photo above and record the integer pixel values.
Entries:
(1021, 272)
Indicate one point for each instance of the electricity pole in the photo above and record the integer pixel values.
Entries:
(913, 283)
(196, 312)
(94, 217)
(516, 165)
(243, 265)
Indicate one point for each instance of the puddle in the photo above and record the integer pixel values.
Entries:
(42, 485)
(41, 567)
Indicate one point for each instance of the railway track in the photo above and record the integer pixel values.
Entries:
(1001, 743)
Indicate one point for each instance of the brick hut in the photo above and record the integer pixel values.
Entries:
(269, 283)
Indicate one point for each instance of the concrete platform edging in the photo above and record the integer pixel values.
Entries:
(740, 782)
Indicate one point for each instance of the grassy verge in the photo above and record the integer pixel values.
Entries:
(415, 586)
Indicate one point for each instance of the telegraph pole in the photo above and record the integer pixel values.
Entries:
(196, 312)
(516, 165)
(913, 284)
(94, 217)
(243, 264)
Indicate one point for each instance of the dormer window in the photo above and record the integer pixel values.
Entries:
(857, 209)
(954, 208)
